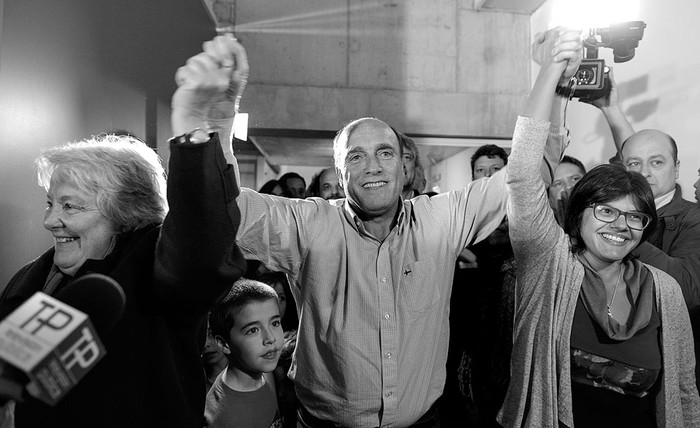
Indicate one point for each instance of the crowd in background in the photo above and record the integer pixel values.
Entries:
(572, 295)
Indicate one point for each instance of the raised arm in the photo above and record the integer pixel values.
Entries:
(196, 255)
(559, 54)
(210, 87)
(272, 230)
(610, 107)
(558, 139)
(558, 51)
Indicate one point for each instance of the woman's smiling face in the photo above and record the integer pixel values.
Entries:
(80, 230)
(609, 242)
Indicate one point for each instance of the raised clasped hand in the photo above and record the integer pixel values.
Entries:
(211, 83)
(561, 48)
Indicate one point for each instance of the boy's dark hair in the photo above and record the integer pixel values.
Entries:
(243, 292)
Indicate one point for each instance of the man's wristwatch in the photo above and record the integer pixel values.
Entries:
(196, 136)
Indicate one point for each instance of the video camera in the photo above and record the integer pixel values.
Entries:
(592, 76)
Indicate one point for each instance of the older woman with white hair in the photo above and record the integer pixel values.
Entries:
(107, 212)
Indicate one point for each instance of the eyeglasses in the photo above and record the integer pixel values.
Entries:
(635, 220)
(69, 209)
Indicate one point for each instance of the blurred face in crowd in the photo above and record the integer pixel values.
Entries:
(277, 190)
(80, 231)
(296, 187)
(651, 154)
(565, 177)
(256, 338)
(211, 355)
(486, 166)
(329, 185)
(409, 168)
(371, 169)
(419, 181)
(281, 297)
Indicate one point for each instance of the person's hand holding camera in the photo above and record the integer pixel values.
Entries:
(609, 105)
(608, 101)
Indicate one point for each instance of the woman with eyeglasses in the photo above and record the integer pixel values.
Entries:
(600, 339)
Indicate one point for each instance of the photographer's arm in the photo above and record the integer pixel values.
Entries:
(610, 106)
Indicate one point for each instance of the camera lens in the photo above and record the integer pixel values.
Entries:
(585, 76)
(623, 54)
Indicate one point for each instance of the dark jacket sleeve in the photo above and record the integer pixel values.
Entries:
(680, 255)
(197, 258)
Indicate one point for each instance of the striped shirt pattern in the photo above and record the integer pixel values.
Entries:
(373, 334)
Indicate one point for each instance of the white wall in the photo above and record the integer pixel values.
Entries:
(659, 88)
(76, 68)
(451, 173)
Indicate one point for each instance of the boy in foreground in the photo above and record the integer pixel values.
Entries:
(248, 330)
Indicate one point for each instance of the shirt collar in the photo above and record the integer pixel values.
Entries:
(664, 200)
(405, 212)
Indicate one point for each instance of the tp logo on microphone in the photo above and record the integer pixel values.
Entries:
(84, 352)
(47, 315)
(53, 343)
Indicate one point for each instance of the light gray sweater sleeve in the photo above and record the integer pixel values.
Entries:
(533, 229)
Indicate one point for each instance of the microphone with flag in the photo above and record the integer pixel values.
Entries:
(54, 342)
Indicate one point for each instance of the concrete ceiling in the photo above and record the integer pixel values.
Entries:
(314, 148)
(514, 6)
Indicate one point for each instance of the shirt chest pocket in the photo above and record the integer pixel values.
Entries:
(419, 289)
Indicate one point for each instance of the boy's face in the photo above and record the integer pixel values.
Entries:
(256, 339)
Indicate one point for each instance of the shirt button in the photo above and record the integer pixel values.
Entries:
(389, 394)
(384, 279)
(388, 354)
(386, 316)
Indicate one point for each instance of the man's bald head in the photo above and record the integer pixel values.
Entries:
(654, 154)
